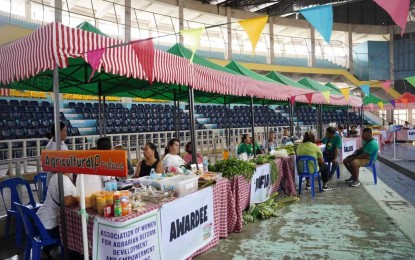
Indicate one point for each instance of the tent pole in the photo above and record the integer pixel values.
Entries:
(104, 116)
(192, 125)
(253, 125)
(58, 147)
(320, 121)
(100, 117)
(348, 123)
(227, 134)
(298, 120)
(291, 113)
(265, 124)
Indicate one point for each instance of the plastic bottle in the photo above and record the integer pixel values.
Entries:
(205, 164)
(153, 174)
(117, 206)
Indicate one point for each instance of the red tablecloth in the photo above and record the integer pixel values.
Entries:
(224, 218)
(242, 188)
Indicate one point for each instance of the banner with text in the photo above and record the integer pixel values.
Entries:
(137, 238)
(96, 162)
(348, 147)
(187, 224)
(411, 135)
(261, 184)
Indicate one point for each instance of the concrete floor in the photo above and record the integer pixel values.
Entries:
(366, 222)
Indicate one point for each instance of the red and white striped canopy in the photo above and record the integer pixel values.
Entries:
(54, 43)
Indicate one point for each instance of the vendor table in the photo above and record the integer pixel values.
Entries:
(406, 135)
(241, 188)
(224, 218)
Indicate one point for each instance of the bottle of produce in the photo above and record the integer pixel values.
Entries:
(117, 206)
(205, 164)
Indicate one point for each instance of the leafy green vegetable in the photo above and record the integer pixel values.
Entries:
(234, 167)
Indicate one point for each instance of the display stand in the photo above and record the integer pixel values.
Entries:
(394, 129)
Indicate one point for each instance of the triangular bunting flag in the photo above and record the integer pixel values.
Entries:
(193, 37)
(144, 49)
(371, 106)
(405, 101)
(380, 104)
(365, 89)
(94, 60)
(321, 18)
(309, 97)
(411, 80)
(386, 85)
(292, 100)
(253, 28)
(345, 92)
(397, 9)
(326, 95)
(393, 103)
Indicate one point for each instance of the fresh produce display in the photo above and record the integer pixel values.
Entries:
(267, 209)
(290, 149)
(234, 167)
(267, 158)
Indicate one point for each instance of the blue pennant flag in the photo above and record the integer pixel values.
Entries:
(365, 89)
(321, 18)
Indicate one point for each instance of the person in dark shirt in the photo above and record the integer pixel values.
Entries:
(151, 161)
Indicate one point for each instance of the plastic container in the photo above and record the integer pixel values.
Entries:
(157, 183)
(205, 164)
(92, 184)
(181, 185)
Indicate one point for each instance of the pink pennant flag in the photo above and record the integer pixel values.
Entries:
(309, 97)
(386, 85)
(397, 9)
(144, 50)
(94, 60)
(292, 100)
(371, 106)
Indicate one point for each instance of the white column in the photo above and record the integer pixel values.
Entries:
(312, 56)
(127, 20)
(181, 19)
(271, 40)
(349, 42)
(229, 32)
(391, 55)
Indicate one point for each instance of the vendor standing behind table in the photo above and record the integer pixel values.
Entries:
(353, 131)
(151, 161)
(189, 157)
(331, 151)
(171, 155)
(286, 139)
(48, 212)
(52, 143)
(270, 143)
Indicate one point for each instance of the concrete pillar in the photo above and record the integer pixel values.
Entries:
(127, 21)
(391, 55)
(312, 57)
(181, 19)
(349, 42)
(271, 40)
(229, 30)
(28, 10)
(409, 115)
(58, 10)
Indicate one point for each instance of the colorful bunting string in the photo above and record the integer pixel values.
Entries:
(411, 80)
(365, 89)
(321, 18)
(94, 60)
(145, 53)
(386, 85)
(309, 97)
(193, 36)
(292, 100)
(380, 104)
(392, 103)
(326, 95)
(405, 101)
(397, 9)
(345, 92)
(253, 28)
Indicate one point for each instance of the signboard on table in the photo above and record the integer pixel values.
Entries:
(96, 162)
(411, 135)
(261, 184)
(137, 238)
(395, 128)
(187, 224)
(349, 146)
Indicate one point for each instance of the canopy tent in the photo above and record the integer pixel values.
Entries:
(285, 80)
(333, 87)
(406, 100)
(372, 99)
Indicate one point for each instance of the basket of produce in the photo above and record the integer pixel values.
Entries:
(155, 196)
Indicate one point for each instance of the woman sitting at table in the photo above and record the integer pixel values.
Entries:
(188, 157)
(151, 161)
(308, 147)
(246, 146)
(48, 212)
(171, 155)
(270, 143)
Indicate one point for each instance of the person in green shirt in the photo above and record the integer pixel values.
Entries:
(308, 147)
(361, 157)
(246, 146)
(333, 143)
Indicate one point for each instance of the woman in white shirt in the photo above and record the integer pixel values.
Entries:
(171, 155)
(51, 135)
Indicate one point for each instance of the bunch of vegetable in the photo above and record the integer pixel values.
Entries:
(267, 158)
(234, 167)
(290, 149)
(267, 209)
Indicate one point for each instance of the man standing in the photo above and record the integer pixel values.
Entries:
(361, 157)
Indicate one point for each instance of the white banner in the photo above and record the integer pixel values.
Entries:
(348, 147)
(187, 224)
(411, 135)
(138, 238)
(261, 184)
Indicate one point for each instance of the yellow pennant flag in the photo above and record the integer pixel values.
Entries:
(253, 28)
(380, 104)
(346, 93)
(326, 95)
(192, 36)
